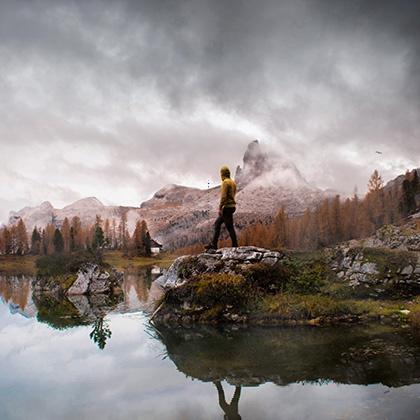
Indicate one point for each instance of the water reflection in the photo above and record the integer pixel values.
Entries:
(62, 312)
(100, 333)
(16, 292)
(230, 410)
(256, 373)
(252, 356)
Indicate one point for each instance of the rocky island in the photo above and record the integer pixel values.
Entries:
(374, 279)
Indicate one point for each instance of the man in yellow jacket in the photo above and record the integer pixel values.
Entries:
(226, 209)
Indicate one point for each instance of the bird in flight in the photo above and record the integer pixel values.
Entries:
(378, 152)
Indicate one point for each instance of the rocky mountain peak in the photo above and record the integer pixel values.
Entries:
(255, 163)
(85, 203)
(46, 205)
(264, 169)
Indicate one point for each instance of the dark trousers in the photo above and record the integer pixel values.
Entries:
(225, 217)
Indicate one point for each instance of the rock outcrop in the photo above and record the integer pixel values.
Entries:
(92, 279)
(385, 264)
(224, 260)
(403, 238)
(217, 287)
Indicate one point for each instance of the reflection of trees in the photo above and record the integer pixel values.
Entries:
(140, 281)
(100, 333)
(15, 289)
(230, 410)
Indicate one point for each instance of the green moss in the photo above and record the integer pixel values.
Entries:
(306, 275)
(298, 307)
(68, 280)
(221, 289)
(338, 290)
(210, 293)
(266, 279)
(189, 266)
(388, 262)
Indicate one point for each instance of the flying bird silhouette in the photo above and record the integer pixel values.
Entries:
(378, 152)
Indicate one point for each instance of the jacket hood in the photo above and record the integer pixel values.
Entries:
(224, 172)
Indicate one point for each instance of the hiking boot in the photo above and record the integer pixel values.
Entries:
(210, 248)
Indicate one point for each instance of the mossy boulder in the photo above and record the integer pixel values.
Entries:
(224, 260)
(378, 272)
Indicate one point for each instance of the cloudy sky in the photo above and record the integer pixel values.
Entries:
(115, 99)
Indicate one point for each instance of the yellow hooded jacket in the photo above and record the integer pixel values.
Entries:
(228, 189)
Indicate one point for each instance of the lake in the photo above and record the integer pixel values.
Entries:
(100, 358)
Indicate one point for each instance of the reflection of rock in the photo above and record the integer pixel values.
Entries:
(249, 357)
(62, 312)
(92, 279)
(224, 260)
(58, 312)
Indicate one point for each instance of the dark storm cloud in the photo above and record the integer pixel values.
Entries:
(149, 92)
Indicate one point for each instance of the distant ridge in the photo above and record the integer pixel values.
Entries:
(178, 215)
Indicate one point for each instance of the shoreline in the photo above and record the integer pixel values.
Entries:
(26, 264)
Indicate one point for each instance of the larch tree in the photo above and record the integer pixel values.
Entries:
(335, 220)
(65, 232)
(7, 241)
(374, 199)
(22, 246)
(280, 226)
(48, 239)
(323, 222)
(58, 241)
(123, 236)
(98, 240)
(107, 233)
(409, 190)
(36, 240)
(146, 239)
(76, 239)
(137, 240)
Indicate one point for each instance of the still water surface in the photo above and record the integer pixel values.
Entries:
(101, 359)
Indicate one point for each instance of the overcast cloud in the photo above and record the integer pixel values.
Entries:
(115, 99)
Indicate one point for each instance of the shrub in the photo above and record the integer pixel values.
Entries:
(267, 279)
(209, 290)
(305, 277)
(61, 264)
(190, 267)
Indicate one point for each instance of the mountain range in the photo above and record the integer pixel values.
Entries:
(178, 215)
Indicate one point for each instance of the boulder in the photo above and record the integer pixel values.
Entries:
(224, 260)
(92, 279)
(407, 270)
(372, 271)
(369, 268)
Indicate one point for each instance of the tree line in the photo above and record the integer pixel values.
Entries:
(333, 221)
(73, 236)
(336, 220)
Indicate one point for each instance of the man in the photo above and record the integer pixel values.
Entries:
(230, 410)
(226, 209)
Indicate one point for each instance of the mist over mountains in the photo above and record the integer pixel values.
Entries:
(178, 215)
